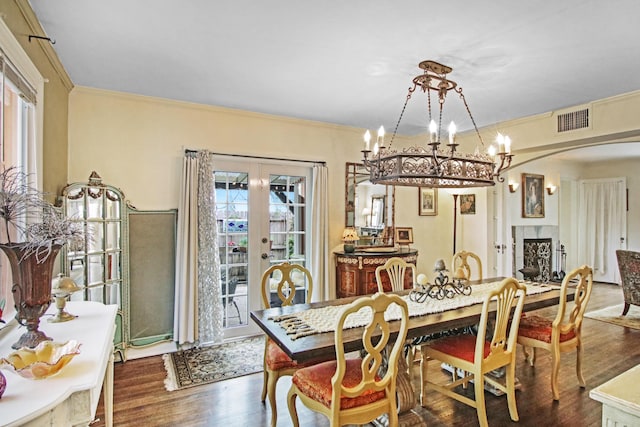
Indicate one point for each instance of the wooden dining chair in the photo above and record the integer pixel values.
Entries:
(393, 270)
(476, 356)
(461, 260)
(356, 390)
(562, 333)
(281, 280)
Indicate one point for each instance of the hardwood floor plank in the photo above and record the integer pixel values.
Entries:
(141, 399)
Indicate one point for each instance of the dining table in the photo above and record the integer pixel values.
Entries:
(321, 345)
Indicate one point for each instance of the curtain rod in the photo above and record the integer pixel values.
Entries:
(187, 151)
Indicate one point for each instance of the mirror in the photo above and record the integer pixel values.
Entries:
(368, 207)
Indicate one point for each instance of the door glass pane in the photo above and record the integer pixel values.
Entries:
(232, 204)
(287, 226)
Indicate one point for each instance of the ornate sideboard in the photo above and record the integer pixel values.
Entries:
(356, 271)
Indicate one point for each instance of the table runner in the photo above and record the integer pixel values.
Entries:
(324, 319)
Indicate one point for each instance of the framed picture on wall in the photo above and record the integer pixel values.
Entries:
(427, 201)
(532, 195)
(404, 235)
(467, 204)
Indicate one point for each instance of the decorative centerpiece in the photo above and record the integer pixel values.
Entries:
(44, 361)
(34, 232)
(442, 288)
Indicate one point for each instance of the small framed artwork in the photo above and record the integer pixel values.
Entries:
(467, 204)
(532, 195)
(404, 235)
(427, 201)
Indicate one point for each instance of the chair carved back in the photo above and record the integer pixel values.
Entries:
(395, 269)
(505, 328)
(377, 338)
(461, 260)
(283, 278)
(572, 321)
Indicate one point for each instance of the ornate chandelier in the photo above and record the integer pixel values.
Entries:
(433, 165)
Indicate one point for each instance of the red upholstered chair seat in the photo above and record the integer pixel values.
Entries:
(539, 328)
(276, 358)
(315, 382)
(460, 346)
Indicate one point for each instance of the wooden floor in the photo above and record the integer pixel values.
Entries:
(140, 398)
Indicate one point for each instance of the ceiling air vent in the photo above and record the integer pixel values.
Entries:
(573, 120)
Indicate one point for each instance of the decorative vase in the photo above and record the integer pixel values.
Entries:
(31, 289)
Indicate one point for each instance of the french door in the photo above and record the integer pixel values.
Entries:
(262, 216)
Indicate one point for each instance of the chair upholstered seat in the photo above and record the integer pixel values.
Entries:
(460, 346)
(540, 328)
(315, 382)
(276, 358)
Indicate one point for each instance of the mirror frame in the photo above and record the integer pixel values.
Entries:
(355, 174)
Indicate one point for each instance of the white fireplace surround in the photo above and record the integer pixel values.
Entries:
(521, 232)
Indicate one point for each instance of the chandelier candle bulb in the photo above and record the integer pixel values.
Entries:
(367, 140)
(433, 128)
(381, 136)
(452, 133)
(507, 145)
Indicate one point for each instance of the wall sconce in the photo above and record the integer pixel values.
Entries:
(513, 187)
(551, 189)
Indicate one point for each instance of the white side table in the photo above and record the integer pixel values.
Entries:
(620, 399)
(71, 397)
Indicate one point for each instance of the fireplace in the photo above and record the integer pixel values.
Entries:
(533, 247)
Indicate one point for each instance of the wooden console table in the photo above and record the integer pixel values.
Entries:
(356, 271)
(70, 397)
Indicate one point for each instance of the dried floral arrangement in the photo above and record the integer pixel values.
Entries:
(26, 213)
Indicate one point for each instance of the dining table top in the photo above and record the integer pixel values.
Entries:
(318, 346)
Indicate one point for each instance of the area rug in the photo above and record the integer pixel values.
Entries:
(205, 365)
(613, 315)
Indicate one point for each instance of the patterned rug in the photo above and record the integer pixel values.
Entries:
(613, 315)
(204, 365)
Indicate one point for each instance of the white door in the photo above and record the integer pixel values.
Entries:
(262, 216)
(499, 252)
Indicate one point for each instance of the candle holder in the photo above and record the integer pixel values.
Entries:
(442, 288)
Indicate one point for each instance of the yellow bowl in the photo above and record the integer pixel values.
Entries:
(43, 361)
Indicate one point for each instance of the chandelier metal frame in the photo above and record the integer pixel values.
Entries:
(435, 166)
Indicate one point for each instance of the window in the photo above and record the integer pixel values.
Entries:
(20, 93)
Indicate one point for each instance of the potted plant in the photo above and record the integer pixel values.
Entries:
(34, 232)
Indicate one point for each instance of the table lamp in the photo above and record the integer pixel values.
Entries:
(61, 288)
(349, 236)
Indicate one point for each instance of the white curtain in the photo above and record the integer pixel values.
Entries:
(601, 225)
(319, 252)
(198, 303)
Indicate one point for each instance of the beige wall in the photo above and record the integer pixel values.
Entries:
(20, 19)
(137, 143)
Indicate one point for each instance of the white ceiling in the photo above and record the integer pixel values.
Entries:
(350, 62)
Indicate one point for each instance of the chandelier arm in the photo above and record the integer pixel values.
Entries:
(464, 100)
(406, 101)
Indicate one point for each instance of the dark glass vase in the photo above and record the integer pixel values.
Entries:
(31, 290)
